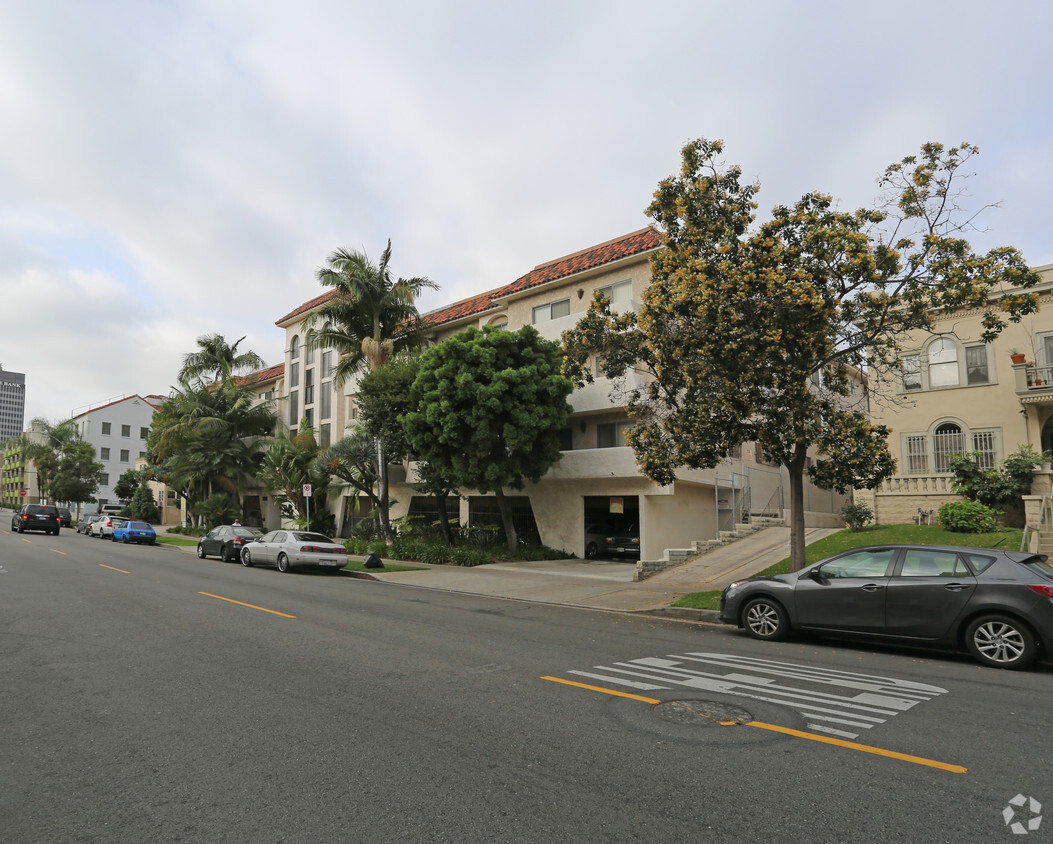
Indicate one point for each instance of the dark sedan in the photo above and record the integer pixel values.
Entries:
(998, 605)
(226, 542)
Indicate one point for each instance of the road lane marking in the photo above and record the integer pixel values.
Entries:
(122, 571)
(854, 702)
(56, 550)
(250, 606)
(775, 728)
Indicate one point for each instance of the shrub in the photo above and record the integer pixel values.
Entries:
(968, 517)
(857, 516)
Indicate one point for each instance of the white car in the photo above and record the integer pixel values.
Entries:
(289, 548)
(104, 526)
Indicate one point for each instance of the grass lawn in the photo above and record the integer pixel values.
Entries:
(1008, 539)
(175, 540)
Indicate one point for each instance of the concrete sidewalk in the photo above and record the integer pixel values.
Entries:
(608, 585)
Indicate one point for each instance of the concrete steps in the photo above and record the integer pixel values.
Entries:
(679, 556)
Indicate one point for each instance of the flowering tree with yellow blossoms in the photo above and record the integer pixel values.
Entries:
(759, 332)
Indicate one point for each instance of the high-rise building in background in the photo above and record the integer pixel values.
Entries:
(12, 403)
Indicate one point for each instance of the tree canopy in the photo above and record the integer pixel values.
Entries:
(66, 466)
(488, 408)
(764, 333)
(218, 359)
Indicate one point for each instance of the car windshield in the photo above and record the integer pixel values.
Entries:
(246, 533)
(139, 525)
(311, 537)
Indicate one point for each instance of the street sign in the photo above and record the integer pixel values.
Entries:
(21, 492)
(306, 490)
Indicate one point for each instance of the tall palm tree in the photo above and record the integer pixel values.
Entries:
(371, 316)
(217, 359)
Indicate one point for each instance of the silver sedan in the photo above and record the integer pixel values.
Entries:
(288, 548)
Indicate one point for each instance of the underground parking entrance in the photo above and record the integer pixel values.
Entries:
(612, 527)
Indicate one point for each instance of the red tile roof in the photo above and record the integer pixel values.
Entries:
(626, 246)
(268, 374)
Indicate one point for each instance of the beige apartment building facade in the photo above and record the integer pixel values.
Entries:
(596, 484)
(954, 394)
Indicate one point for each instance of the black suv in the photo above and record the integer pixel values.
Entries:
(43, 517)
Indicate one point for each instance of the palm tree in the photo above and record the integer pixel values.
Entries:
(370, 317)
(218, 359)
(58, 438)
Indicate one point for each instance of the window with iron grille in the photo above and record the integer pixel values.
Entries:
(984, 445)
(947, 440)
(917, 455)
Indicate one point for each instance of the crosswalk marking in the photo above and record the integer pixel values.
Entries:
(823, 696)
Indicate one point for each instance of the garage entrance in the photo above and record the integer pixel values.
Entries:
(611, 516)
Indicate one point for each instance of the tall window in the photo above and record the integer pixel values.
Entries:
(294, 375)
(976, 365)
(308, 387)
(553, 310)
(946, 440)
(325, 401)
(294, 348)
(943, 363)
(911, 371)
(294, 409)
(611, 434)
(308, 354)
(984, 445)
(917, 455)
(327, 364)
(323, 435)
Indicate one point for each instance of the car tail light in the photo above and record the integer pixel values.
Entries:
(315, 548)
(1042, 589)
(236, 541)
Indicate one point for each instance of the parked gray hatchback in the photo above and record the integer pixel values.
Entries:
(998, 605)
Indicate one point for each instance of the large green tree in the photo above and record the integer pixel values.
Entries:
(489, 406)
(370, 316)
(216, 360)
(759, 332)
(66, 466)
(208, 438)
(290, 462)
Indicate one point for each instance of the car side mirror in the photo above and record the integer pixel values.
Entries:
(817, 575)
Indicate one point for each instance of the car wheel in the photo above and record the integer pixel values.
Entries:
(227, 557)
(283, 563)
(765, 618)
(592, 551)
(113, 537)
(124, 540)
(1001, 642)
(246, 558)
(200, 552)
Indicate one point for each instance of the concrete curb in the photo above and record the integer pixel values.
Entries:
(687, 614)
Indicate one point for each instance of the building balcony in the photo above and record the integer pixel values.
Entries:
(1034, 384)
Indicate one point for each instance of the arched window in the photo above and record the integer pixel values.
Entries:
(294, 347)
(943, 363)
(947, 439)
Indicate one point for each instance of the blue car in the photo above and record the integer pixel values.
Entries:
(134, 532)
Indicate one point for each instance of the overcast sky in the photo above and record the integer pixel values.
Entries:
(170, 169)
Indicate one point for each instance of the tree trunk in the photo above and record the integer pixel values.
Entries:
(796, 470)
(506, 521)
(382, 489)
(444, 519)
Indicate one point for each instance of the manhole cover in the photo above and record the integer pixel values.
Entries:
(707, 713)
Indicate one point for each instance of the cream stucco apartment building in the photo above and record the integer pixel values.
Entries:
(596, 483)
(956, 394)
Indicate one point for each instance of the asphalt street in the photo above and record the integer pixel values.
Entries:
(146, 695)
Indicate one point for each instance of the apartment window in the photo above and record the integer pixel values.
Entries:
(126, 430)
(612, 434)
(294, 375)
(323, 435)
(910, 369)
(946, 440)
(617, 294)
(984, 446)
(308, 354)
(294, 348)
(327, 364)
(294, 409)
(142, 454)
(308, 416)
(943, 363)
(308, 386)
(267, 395)
(104, 454)
(976, 365)
(553, 310)
(144, 433)
(124, 455)
(325, 400)
(104, 481)
(917, 455)
(105, 429)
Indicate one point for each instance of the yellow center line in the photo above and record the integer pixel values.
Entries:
(250, 606)
(851, 745)
(56, 550)
(122, 571)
